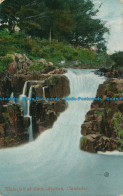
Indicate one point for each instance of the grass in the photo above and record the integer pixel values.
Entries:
(108, 110)
(117, 115)
(108, 86)
(116, 95)
(121, 141)
(120, 133)
(121, 91)
(36, 68)
(83, 142)
(4, 62)
(8, 138)
(6, 115)
(54, 80)
(36, 48)
(99, 112)
(117, 120)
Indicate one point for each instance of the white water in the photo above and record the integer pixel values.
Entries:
(26, 107)
(11, 97)
(43, 92)
(25, 88)
(30, 131)
(55, 159)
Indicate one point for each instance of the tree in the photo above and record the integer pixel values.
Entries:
(117, 57)
(88, 31)
(70, 20)
(8, 14)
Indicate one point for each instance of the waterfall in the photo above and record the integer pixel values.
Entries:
(43, 92)
(30, 131)
(55, 160)
(22, 102)
(28, 102)
(25, 104)
(25, 88)
(11, 98)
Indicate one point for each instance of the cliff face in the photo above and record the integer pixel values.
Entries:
(103, 126)
(49, 83)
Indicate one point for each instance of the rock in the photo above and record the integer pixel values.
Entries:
(42, 61)
(98, 128)
(50, 64)
(26, 122)
(97, 142)
(20, 64)
(48, 69)
(59, 87)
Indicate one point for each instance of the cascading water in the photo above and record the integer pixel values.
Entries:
(12, 101)
(30, 131)
(54, 158)
(25, 104)
(43, 92)
(25, 88)
(22, 102)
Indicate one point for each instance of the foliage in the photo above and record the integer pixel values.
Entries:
(108, 86)
(4, 62)
(36, 48)
(117, 115)
(116, 95)
(108, 110)
(36, 68)
(71, 20)
(117, 121)
(8, 138)
(83, 142)
(54, 80)
(6, 115)
(118, 58)
(99, 112)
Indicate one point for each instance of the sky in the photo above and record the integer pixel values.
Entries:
(112, 12)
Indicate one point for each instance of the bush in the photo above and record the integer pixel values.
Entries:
(36, 48)
(54, 80)
(83, 142)
(117, 115)
(4, 62)
(36, 68)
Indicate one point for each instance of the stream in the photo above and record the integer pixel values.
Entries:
(53, 164)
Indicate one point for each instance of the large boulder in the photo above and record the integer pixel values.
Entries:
(20, 64)
(102, 128)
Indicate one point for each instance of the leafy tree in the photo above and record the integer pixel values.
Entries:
(118, 58)
(70, 20)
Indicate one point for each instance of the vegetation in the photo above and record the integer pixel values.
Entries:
(57, 30)
(36, 68)
(108, 86)
(83, 142)
(99, 112)
(8, 138)
(117, 58)
(73, 21)
(5, 115)
(36, 48)
(108, 110)
(117, 115)
(117, 121)
(54, 80)
(4, 62)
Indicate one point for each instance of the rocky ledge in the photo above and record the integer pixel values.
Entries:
(103, 126)
(49, 82)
